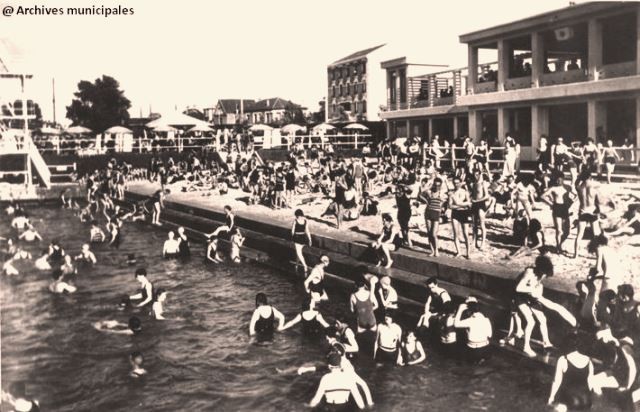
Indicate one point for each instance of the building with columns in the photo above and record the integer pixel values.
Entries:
(572, 72)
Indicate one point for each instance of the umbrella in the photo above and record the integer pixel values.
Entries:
(165, 128)
(356, 126)
(293, 128)
(176, 119)
(323, 127)
(201, 128)
(118, 130)
(50, 130)
(262, 127)
(79, 130)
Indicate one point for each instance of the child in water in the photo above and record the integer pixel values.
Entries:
(236, 242)
(113, 326)
(136, 359)
(157, 309)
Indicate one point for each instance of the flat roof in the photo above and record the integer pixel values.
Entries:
(550, 18)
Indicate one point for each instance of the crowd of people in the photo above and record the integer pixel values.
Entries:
(461, 192)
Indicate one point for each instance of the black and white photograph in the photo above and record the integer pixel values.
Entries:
(327, 206)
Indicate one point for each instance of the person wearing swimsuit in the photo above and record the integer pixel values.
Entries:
(312, 321)
(459, 203)
(158, 205)
(363, 304)
(482, 154)
(338, 388)
(435, 198)
(387, 242)
(263, 319)
(412, 351)
(610, 157)
(573, 381)
(184, 250)
(314, 282)
(301, 237)
(387, 343)
(145, 296)
(17, 398)
(480, 203)
(230, 222)
(559, 198)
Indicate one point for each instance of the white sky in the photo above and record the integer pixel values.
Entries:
(183, 53)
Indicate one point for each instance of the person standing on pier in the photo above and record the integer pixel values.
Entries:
(158, 205)
(460, 202)
(314, 284)
(301, 237)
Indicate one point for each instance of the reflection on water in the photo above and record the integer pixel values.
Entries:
(201, 358)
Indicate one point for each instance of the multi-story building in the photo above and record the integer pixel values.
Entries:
(572, 72)
(355, 86)
(266, 111)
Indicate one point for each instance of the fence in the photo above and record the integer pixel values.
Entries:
(88, 147)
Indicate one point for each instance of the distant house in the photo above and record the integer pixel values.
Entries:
(274, 110)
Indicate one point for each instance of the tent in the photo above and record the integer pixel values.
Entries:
(164, 128)
(78, 130)
(293, 129)
(50, 130)
(322, 128)
(122, 136)
(355, 126)
(201, 129)
(176, 119)
(261, 127)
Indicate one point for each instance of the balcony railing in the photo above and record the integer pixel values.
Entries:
(485, 87)
(443, 101)
(611, 71)
(517, 83)
(571, 76)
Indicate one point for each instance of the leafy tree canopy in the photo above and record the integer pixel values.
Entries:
(99, 105)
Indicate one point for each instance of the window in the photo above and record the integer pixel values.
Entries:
(364, 106)
(364, 67)
(364, 87)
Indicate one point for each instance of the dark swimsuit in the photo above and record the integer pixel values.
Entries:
(574, 391)
(264, 327)
(184, 250)
(311, 327)
(300, 233)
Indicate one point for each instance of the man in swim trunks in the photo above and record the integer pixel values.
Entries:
(30, 235)
(460, 202)
(388, 339)
(171, 248)
(589, 200)
(560, 198)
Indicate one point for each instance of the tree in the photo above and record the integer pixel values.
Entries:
(99, 105)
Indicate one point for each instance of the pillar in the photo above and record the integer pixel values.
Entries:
(455, 128)
(638, 40)
(388, 124)
(539, 123)
(433, 90)
(537, 58)
(475, 125)
(503, 124)
(637, 122)
(473, 68)
(397, 87)
(503, 64)
(596, 117)
(408, 124)
(595, 48)
(457, 84)
(431, 134)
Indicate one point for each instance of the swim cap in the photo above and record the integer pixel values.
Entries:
(334, 359)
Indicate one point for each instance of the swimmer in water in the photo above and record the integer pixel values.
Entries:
(56, 252)
(9, 269)
(30, 235)
(338, 388)
(263, 318)
(113, 326)
(185, 251)
(136, 359)
(42, 263)
(20, 222)
(171, 248)
(96, 235)
(22, 254)
(87, 255)
(237, 240)
(388, 338)
(312, 320)
(67, 267)
(212, 250)
(131, 259)
(59, 285)
(145, 296)
(156, 308)
(17, 398)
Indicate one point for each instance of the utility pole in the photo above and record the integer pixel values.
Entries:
(53, 87)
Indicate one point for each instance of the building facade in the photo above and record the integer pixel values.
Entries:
(273, 111)
(573, 72)
(355, 87)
